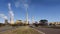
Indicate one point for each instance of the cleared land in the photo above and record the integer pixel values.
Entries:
(21, 30)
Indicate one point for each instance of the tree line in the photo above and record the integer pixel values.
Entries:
(42, 22)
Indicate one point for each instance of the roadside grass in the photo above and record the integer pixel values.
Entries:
(22, 30)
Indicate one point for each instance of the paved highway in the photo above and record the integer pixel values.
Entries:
(49, 30)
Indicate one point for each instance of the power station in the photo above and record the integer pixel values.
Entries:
(12, 14)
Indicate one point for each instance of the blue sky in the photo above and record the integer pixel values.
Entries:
(40, 9)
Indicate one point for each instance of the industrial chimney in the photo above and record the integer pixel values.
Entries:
(11, 14)
(27, 18)
(6, 21)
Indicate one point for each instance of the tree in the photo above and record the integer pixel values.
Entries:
(50, 24)
(36, 23)
(43, 22)
(1, 24)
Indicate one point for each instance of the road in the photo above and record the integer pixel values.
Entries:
(44, 30)
(49, 30)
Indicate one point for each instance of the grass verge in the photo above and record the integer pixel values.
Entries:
(22, 30)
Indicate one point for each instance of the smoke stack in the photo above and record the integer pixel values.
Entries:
(26, 8)
(11, 14)
(5, 18)
(6, 21)
(27, 18)
(32, 19)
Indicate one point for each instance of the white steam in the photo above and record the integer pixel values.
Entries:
(22, 3)
(17, 4)
(11, 14)
(9, 6)
(10, 10)
(26, 6)
(3, 16)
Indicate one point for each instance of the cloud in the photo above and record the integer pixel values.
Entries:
(3, 16)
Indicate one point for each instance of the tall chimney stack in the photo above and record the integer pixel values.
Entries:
(6, 21)
(32, 19)
(26, 17)
(11, 14)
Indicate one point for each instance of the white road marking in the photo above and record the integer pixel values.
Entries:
(39, 31)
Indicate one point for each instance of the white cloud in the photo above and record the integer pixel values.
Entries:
(3, 16)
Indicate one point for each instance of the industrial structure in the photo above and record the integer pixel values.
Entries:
(56, 23)
(18, 21)
(26, 17)
(6, 21)
(32, 19)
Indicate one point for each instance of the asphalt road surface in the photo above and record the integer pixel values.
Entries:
(49, 30)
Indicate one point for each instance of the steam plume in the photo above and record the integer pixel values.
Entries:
(10, 10)
(26, 6)
(11, 14)
(22, 3)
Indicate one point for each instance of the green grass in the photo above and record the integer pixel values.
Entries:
(22, 30)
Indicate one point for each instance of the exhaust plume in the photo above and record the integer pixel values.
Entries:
(11, 14)
(10, 10)
(26, 6)
(9, 6)
(22, 3)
